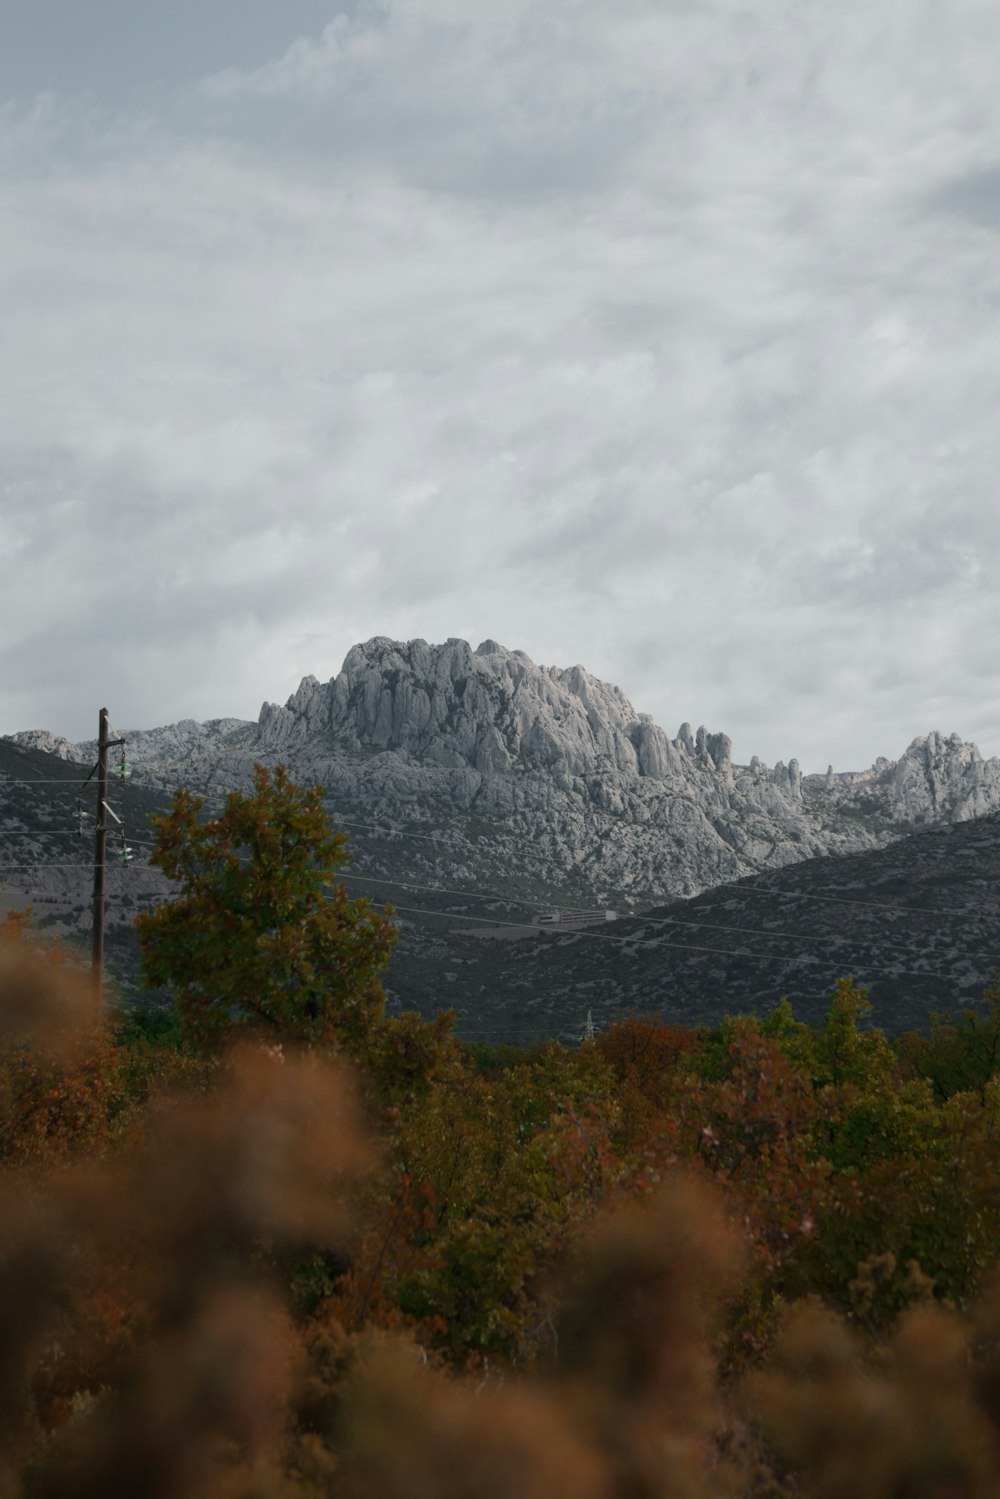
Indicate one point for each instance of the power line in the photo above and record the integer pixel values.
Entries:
(775, 958)
(667, 793)
(647, 920)
(590, 813)
(89, 868)
(100, 864)
(71, 780)
(879, 905)
(635, 939)
(405, 883)
(719, 952)
(717, 891)
(787, 894)
(398, 832)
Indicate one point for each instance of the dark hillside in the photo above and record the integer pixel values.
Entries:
(917, 922)
(47, 863)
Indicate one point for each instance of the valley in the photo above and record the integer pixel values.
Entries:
(478, 788)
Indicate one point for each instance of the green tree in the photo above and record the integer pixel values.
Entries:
(257, 941)
(962, 1053)
(845, 1052)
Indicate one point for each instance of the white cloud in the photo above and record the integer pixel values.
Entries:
(659, 338)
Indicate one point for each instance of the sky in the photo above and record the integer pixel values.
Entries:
(661, 336)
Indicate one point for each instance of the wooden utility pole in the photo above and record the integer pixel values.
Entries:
(100, 862)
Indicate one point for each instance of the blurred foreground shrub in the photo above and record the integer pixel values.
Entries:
(150, 1346)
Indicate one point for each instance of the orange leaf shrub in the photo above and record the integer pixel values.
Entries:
(538, 1279)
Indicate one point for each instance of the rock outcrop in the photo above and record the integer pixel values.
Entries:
(549, 778)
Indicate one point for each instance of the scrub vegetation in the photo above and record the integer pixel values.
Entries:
(274, 1243)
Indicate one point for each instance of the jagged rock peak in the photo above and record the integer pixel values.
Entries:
(436, 731)
(43, 739)
(491, 709)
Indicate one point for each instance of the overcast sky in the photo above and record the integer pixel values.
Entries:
(658, 335)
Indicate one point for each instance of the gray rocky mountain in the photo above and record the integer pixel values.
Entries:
(476, 784)
(548, 780)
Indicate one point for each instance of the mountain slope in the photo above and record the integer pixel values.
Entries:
(917, 922)
(550, 779)
(46, 860)
(457, 772)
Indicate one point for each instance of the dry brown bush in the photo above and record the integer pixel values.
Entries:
(147, 1347)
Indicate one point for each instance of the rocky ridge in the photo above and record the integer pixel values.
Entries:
(547, 780)
(476, 786)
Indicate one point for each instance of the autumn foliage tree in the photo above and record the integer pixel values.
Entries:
(257, 941)
(757, 1259)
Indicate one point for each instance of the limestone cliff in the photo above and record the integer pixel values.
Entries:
(549, 777)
